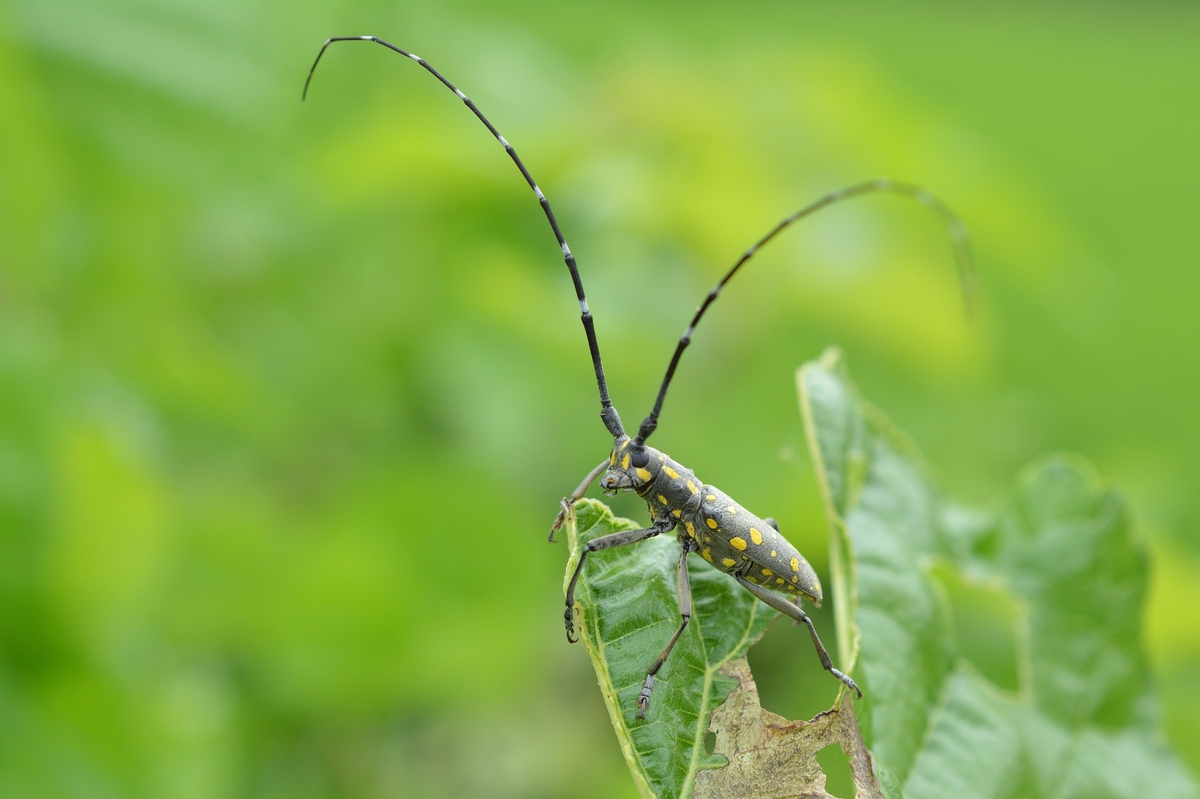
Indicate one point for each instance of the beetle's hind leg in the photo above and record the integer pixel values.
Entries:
(568, 503)
(683, 588)
(783, 606)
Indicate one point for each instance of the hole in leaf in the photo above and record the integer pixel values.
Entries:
(839, 780)
(790, 680)
(710, 742)
(985, 624)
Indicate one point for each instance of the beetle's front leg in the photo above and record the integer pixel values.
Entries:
(605, 542)
(569, 502)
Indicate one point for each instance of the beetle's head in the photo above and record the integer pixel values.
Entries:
(630, 466)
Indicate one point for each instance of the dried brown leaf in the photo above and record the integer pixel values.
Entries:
(773, 758)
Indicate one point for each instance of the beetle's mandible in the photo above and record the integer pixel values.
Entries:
(705, 520)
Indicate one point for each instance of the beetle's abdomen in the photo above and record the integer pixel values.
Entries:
(736, 541)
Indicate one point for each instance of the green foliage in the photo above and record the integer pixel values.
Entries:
(1078, 722)
(287, 390)
(1081, 722)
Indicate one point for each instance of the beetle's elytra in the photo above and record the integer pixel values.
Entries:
(705, 520)
(723, 532)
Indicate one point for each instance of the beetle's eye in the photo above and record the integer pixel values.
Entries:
(640, 458)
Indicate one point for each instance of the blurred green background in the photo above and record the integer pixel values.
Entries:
(289, 393)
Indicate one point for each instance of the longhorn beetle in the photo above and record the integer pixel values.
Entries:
(705, 520)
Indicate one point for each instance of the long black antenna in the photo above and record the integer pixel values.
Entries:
(954, 227)
(607, 412)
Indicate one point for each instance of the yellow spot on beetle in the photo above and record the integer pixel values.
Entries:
(674, 475)
(662, 499)
(711, 523)
(643, 474)
(795, 566)
(779, 580)
(612, 459)
(625, 461)
(691, 530)
(732, 510)
(692, 487)
(752, 578)
(773, 553)
(710, 497)
(676, 513)
(624, 444)
(728, 562)
(755, 536)
(706, 554)
(738, 543)
(768, 573)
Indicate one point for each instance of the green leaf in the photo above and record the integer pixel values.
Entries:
(1056, 571)
(626, 612)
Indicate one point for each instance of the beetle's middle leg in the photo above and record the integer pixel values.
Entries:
(683, 589)
(783, 606)
(569, 502)
(609, 541)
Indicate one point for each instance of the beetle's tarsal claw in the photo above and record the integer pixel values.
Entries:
(564, 511)
(569, 617)
(851, 684)
(643, 700)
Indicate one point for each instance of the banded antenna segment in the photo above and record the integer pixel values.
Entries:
(607, 412)
(955, 228)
